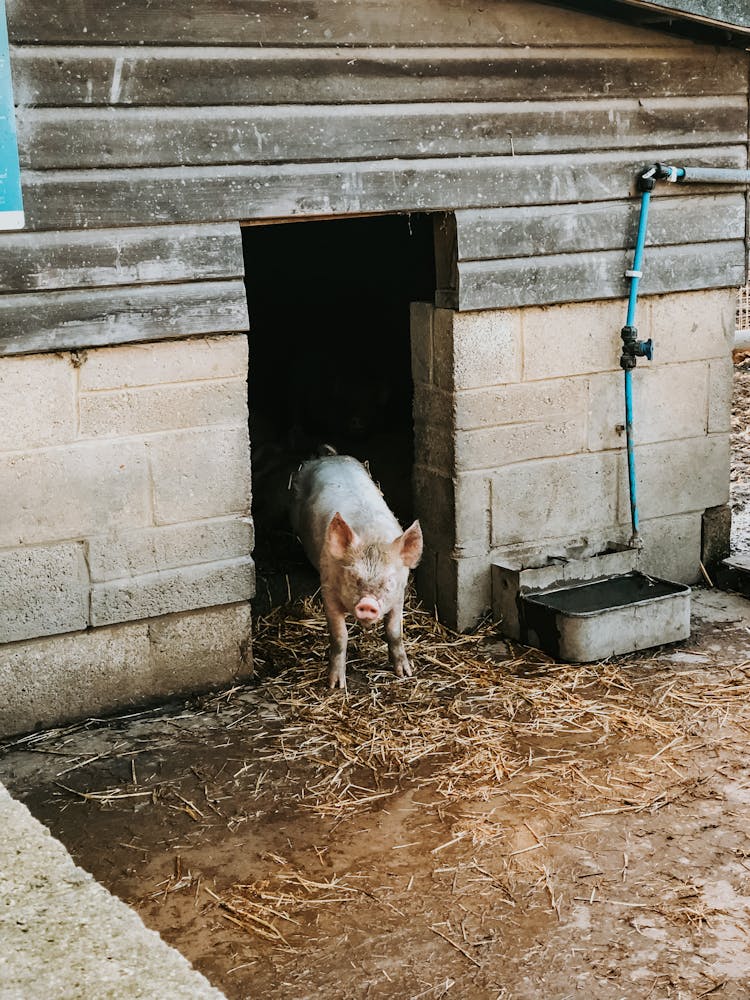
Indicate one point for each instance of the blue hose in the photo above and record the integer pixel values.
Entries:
(632, 349)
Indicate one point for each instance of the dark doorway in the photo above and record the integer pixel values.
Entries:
(330, 362)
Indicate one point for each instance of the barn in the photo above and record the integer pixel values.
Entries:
(403, 227)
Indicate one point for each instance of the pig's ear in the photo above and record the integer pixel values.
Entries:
(339, 537)
(410, 545)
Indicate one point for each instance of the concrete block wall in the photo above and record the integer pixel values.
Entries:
(519, 436)
(125, 486)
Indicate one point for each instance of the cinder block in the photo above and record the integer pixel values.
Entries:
(168, 591)
(200, 473)
(185, 360)
(434, 498)
(74, 491)
(47, 682)
(421, 341)
(572, 339)
(206, 648)
(150, 550)
(720, 385)
(523, 403)
(473, 513)
(491, 447)
(675, 477)
(476, 349)
(672, 547)
(454, 513)
(689, 326)
(434, 406)
(434, 444)
(37, 401)
(65, 935)
(669, 401)
(554, 498)
(43, 591)
(464, 593)
(162, 408)
(716, 533)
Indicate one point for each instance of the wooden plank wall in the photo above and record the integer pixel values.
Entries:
(149, 129)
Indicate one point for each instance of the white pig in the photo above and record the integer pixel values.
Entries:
(364, 558)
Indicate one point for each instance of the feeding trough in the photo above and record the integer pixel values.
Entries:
(581, 610)
(617, 615)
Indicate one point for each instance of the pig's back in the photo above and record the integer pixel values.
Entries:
(323, 486)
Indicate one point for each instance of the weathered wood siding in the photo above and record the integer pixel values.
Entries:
(148, 130)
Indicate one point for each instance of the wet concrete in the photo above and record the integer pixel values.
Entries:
(622, 872)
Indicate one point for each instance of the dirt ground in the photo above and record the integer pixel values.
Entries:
(500, 826)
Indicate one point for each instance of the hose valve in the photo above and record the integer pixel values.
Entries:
(632, 348)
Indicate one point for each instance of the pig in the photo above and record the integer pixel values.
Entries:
(363, 556)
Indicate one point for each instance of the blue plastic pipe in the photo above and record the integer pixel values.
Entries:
(635, 276)
(634, 348)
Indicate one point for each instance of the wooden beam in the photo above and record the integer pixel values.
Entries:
(504, 284)
(55, 321)
(137, 255)
(307, 22)
(170, 77)
(486, 234)
(107, 198)
(90, 138)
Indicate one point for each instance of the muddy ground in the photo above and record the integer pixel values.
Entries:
(500, 826)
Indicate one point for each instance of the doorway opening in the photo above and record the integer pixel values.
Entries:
(330, 364)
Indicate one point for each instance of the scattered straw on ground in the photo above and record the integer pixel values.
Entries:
(472, 719)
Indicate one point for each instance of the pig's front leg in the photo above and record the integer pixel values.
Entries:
(337, 650)
(394, 637)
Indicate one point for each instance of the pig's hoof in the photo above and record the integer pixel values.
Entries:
(337, 679)
(402, 668)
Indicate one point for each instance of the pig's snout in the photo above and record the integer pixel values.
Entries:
(367, 611)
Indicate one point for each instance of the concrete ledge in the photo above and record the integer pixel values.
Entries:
(64, 935)
(48, 682)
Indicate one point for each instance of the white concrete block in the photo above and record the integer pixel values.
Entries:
(203, 648)
(73, 491)
(669, 401)
(473, 513)
(476, 348)
(185, 360)
(572, 339)
(200, 474)
(51, 681)
(554, 498)
(690, 326)
(149, 550)
(64, 935)
(522, 403)
(720, 386)
(43, 591)
(45, 682)
(675, 477)
(464, 589)
(491, 447)
(162, 408)
(173, 590)
(672, 547)
(37, 401)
